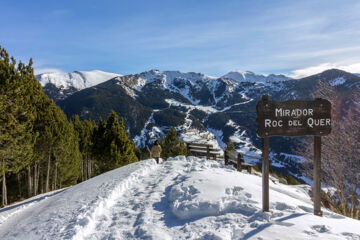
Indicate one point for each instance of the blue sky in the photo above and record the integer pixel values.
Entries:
(212, 37)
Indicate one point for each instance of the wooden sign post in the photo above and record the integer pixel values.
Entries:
(293, 118)
(317, 176)
(265, 174)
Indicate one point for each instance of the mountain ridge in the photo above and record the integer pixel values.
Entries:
(201, 108)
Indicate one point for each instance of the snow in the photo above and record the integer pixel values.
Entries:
(246, 76)
(129, 91)
(218, 133)
(337, 81)
(207, 109)
(140, 140)
(196, 136)
(243, 143)
(77, 79)
(181, 198)
(166, 81)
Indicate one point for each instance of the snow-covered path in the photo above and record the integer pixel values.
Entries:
(134, 215)
(182, 198)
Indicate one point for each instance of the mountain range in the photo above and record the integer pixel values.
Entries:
(200, 107)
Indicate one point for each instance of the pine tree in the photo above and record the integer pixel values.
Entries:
(68, 158)
(98, 146)
(127, 147)
(84, 131)
(171, 145)
(36, 140)
(16, 117)
(112, 143)
(230, 146)
(88, 127)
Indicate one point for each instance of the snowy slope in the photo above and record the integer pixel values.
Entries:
(77, 79)
(178, 199)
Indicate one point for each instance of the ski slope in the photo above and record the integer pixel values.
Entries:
(182, 198)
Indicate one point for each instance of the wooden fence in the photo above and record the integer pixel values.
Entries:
(199, 149)
(231, 157)
(236, 159)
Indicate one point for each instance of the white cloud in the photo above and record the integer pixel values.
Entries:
(46, 70)
(304, 72)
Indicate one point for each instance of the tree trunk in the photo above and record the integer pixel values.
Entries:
(85, 168)
(89, 168)
(48, 173)
(29, 181)
(4, 190)
(55, 180)
(36, 179)
(353, 206)
(19, 183)
(358, 211)
(343, 203)
(82, 169)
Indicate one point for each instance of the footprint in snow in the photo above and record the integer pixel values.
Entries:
(321, 228)
(310, 233)
(283, 206)
(351, 236)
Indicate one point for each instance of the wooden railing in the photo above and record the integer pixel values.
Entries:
(236, 159)
(199, 149)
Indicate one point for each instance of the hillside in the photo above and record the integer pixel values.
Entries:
(178, 199)
(201, 108)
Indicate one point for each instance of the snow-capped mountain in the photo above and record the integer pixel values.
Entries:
(76, 79)
(201, 108)
(182, 198)
(246, 76)
(64, 84)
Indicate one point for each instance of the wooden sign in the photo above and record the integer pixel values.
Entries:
(293, 118)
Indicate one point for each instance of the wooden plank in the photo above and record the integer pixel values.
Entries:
(251, 156)
(204, 151)
(232, 154)
(203, 148)
(198, 144)
(247, 164)
(197, 148)
(232, 161)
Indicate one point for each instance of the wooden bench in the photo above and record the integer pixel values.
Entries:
(199, 149)
(237, 160)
